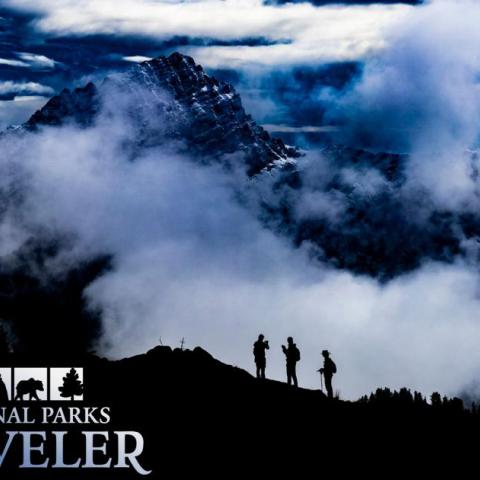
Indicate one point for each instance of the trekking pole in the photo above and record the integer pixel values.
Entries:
(321, 380)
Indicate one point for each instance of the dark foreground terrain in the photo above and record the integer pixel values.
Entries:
(200, 417)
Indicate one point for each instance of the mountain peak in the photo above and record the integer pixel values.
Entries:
(79, 105)
(204, 113)
(176, 59)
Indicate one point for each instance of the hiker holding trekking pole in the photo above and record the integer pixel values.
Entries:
(327, 372)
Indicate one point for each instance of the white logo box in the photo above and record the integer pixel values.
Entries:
(41, 384)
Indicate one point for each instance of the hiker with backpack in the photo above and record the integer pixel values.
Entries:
(328, 370)
(259, 348)
(292, 354)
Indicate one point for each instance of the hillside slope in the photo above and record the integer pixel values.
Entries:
(200, 416)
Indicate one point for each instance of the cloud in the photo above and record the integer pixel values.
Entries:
(24, 88)
(13, 63)
(190, 261)
(421, 96)
(302, 129)
(315, 34)
(29, 60)
(119, 32)
(178, 234)
(137, 58)
(37, 61)
(292, 100)
(345, 2)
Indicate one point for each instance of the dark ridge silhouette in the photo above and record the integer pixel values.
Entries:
(78, 106)
(200, 416)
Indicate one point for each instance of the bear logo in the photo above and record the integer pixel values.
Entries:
(29, 387)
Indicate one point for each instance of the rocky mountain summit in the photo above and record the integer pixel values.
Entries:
(80, 106)
(174, 97)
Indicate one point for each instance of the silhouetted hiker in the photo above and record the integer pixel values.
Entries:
(259, 348)
(292, 354)
(328, 370)
(3, 392)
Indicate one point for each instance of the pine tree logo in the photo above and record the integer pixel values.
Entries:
(72, 386)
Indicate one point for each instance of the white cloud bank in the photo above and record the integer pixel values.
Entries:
(316, 34)
(137, 58)
(190, 262)
(22, 88)
(36, 61)
(29, 60)
(10, 62)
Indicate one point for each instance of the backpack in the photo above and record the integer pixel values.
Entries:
(334, 367)
(297, 354)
